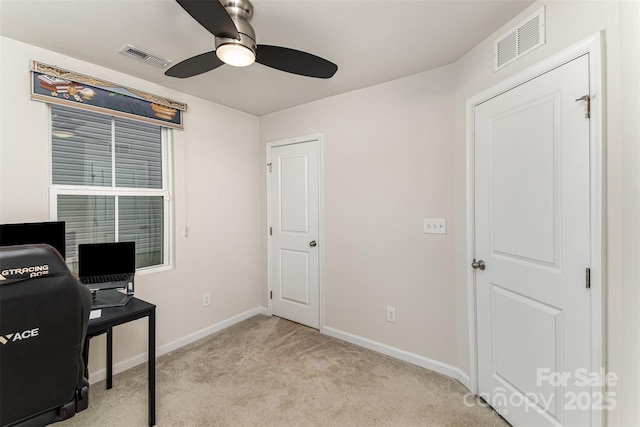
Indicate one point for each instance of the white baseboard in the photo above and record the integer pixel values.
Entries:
(415, 359)
(101, 374)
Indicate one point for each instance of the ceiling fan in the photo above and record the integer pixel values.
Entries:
(235, 42)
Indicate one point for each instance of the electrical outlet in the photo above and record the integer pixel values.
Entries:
(391, 314)
(206, 299)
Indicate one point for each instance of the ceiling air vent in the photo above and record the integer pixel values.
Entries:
(141, 55)
(520, 40)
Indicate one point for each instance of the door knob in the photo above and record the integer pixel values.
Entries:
(478, 264)
(313, 244)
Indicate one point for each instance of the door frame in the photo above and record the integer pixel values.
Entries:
(593, 46)
(318, 137)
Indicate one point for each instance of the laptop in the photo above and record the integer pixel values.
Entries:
(107, 268)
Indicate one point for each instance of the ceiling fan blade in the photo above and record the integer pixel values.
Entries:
(295, 61)
(196, 65)
(212, 16)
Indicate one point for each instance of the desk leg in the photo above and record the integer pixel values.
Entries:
(109, 358)
(85, 356)
(152, 367)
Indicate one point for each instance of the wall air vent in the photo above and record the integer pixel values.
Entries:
(141, 55)
(520, 40)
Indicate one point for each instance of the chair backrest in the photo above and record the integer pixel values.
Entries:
(44, 312)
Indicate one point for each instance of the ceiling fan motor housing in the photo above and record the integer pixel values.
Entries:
(241, 12)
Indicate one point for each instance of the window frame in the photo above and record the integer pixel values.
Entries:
(166, 140)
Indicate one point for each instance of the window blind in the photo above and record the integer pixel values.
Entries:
(94, 153)
(88, 219)
(138, 158)
(81, 151)
(140, 220)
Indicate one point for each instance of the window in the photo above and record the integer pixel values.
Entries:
(110, 182)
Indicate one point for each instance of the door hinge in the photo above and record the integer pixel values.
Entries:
(269, 166)
(270, 231)
(587, 105)
(588, 278)
(270, 294)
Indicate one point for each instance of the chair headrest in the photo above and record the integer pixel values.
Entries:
(29, 262)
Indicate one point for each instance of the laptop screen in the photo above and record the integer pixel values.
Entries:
(101, 259)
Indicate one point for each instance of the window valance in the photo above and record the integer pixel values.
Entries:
(59, 86)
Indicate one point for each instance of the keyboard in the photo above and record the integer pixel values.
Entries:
(105, 279)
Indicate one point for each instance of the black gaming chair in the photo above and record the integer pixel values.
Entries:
(44, 312)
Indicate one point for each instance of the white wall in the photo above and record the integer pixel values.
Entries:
(567, 22)
(624, 314)
(388, 152)
(216, 194)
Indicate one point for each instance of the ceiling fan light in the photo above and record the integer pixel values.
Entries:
(235, 54)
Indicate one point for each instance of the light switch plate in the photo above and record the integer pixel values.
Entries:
(435, 226)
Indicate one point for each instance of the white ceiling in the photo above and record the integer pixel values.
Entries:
(372, 41)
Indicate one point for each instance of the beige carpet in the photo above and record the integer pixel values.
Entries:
(266, 371)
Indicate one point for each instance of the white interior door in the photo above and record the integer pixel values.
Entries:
(532, 213)
(294, 236)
